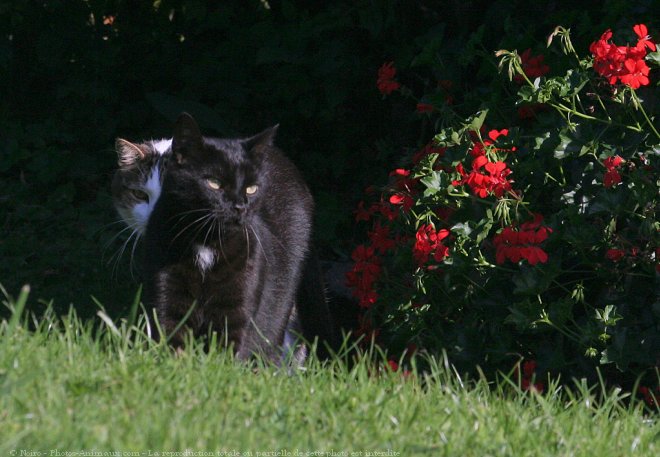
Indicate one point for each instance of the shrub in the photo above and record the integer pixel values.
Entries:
(536, 237)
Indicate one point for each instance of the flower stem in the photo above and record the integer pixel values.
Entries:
(641, 108)
(566, 109)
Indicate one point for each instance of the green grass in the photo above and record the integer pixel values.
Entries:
(75, 385)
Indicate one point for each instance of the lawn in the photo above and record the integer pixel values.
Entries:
(75, 387)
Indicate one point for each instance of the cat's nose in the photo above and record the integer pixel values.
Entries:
(240, 206)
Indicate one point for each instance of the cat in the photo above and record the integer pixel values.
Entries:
(227, 226)
(136, 184)
(136, 187)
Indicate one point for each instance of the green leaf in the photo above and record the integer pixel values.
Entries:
(485, 226)
(608, 316)
(568, 145)
(576, 81)
(532, 281)
(526, 94)
(653, 57)
(462, 228)
(433, 182)
(476, 122)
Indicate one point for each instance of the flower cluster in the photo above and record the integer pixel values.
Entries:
(612, 176)
(386, 84)
(405, 189)
(623, 64)
(615, 255)
(457, 252)
(429, 242)
(363, 275)
(517, 244)
(494, 181)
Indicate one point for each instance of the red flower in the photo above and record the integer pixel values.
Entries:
(386, 84)
(517, 244)
(495, 134)
(364, 274)
(528, 368)
(623, 64)
(494, 182)
(612, 176)
(387, 211)
(406, 187)
(402, 181)
(637, 73)
(406, 201)
(428, 242)
(380, 238)
(615, 255)
(650, 398)
(424, 108)
(532, 66)
(612, 162)
(527, 112)
(644, 39)
(478, 149)
(364, 214)
(526, 384)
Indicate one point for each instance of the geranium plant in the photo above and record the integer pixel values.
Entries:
(533, 236)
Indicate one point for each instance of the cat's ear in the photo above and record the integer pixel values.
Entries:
(187, 137)
(128, 153)
(265, 139)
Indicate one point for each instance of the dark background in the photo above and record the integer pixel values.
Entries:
(74, 75)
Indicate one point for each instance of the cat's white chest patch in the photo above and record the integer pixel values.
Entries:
(204, 258)
(162, 146)
(142, 211)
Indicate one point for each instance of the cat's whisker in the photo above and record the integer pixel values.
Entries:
(279, 242)
(135, 237)
(189, 225)
(135, 243)
(185, 213)
(210, 229)
(113, 223)
(247, 242)
(118, 253)
(260, 245)
(115, 236)
(221, 228)
(182, 219)
(206, 219)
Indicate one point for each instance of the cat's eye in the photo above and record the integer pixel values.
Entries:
(213, 183)
(251, 190)
(140, 195)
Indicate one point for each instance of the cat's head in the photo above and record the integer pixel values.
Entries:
(137, 183)
(227, 177)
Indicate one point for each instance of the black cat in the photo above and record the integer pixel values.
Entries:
(231, 236)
